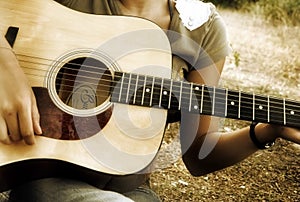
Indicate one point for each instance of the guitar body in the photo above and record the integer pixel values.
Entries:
(80, 125)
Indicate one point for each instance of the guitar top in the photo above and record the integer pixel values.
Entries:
(71, 65)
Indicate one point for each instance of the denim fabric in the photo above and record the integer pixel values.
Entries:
(66, 190)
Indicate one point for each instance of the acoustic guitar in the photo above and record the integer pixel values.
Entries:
(103, 87)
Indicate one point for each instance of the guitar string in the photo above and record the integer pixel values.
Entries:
(295, 104)
(101, 91)
(188, 88)
(205, 102)
(275, 118)
(280, 103)
(173, 91)
(97, 68)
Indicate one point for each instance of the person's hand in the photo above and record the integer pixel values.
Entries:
(19, 117)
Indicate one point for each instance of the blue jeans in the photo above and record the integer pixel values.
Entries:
(64, 190)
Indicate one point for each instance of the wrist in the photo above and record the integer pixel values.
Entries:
(263, 136)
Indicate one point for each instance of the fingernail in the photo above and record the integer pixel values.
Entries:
(39, 130)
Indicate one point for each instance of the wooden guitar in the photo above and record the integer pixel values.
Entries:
(103, 88)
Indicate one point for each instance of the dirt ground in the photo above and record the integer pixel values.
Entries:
(265, 60)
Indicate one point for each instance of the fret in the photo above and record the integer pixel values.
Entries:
(161, 92)
(284, 114)
(170, 93)
(135, 89)
(202, 96)
(226, 101)
(128, 89)
(191, 94)
(214, 101)
(268, 109)
(239, 111)
(253, 107)
(152, 90)
(180, 96)
(144, 88)
(115, 92)
(121, 88)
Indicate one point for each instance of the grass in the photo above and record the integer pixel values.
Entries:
(276, 12)
(265, 60)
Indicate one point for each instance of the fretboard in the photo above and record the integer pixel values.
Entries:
(149, 91)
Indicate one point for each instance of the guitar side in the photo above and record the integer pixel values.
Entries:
(46, 41)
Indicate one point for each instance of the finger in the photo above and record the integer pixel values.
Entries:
(26, 125)
(36, 119)
(4, 138)
(13, 126)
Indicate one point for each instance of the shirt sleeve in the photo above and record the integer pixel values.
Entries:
(215, 45)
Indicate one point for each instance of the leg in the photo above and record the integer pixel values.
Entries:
(64, 190)
(143, 194)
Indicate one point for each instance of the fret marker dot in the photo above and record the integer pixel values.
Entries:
(292, 113)
(195, 107)
(260, 107)
(232, 103)
(197, 88)
(147, 90)
(165, 93)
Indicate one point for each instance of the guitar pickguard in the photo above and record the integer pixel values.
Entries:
(59, 125)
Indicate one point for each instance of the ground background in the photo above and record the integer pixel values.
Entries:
(265, 60)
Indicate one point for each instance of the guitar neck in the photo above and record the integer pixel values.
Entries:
(149, 91)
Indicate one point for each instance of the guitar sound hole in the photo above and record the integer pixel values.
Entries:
(83, 83)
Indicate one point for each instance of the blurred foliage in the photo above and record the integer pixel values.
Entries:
(232, 3)
(280, 11)
(275, 11)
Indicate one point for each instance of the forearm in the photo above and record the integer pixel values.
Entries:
(228, 149)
